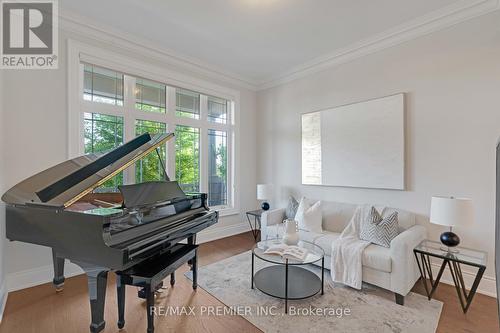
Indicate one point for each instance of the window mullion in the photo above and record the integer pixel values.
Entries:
(203, 144)
(230, 168)
(170, 118)
(129, 120)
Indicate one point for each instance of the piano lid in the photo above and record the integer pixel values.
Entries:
(65, 183)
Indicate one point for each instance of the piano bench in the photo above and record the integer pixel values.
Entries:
(150, 274)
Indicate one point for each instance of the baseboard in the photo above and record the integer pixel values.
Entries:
(3, 299)
(218, 232)
(40, 275)
(487, 286)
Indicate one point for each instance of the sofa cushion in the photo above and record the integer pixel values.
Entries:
(377, 257)
(326, 240)
(336, 215)
(309, 236)
(374, 256)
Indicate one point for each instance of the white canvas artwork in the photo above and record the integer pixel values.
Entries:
(356, 145)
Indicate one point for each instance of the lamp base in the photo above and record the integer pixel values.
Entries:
(450, 239)
(265, 206)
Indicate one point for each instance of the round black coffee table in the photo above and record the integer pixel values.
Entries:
(286, 279)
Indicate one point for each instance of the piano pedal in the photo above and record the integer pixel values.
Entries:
(141, 293)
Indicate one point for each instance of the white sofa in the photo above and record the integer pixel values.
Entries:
(391, 268)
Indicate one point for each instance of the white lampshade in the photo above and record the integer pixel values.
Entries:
(264, 191)
(451, 211)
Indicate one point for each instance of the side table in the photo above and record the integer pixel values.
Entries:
(429, 249)
(255, 215)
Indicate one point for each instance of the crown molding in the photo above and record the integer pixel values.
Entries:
(89, 29)
(445, 17)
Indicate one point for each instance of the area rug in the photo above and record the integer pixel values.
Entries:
(341, 309)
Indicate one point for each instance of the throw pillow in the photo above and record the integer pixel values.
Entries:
(291, 208)
(378, 230)
(309, 217)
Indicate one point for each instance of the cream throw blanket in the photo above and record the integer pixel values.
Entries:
(347, 251)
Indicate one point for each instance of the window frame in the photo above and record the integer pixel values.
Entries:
(79, 53)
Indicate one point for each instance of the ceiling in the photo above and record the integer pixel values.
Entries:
(253, 39)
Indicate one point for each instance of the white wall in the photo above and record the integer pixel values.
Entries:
(37, 118)
(452, 81)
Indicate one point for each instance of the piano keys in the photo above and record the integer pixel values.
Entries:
(100, 232)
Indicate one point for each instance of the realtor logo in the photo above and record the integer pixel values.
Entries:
(29, 34)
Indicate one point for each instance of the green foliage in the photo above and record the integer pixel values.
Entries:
(103, 133)
(149, 168)
(187, 158)
(149, 108)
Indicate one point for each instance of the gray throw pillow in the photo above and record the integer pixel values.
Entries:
(291, 208)
(378, 230)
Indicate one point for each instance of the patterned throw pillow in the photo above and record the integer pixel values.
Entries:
(378, 230)
(291, 208)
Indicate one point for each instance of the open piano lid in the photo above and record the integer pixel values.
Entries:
(67, 182)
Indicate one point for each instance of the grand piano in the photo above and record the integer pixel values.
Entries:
(60, 208)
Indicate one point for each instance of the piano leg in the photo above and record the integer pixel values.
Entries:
(58, 280)
(191, 240)
(150, 303)
(120, 291)
(195, 270)
(96, 278)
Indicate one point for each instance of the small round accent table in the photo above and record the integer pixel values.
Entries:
(286, 279)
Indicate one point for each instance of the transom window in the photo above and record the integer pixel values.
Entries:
(102, 85)
(150, 96)
(116, 107)
(187, 104)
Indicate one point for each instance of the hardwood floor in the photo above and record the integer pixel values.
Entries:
(41, 309)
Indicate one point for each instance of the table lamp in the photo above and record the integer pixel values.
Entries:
(451, 212)
(264, 192)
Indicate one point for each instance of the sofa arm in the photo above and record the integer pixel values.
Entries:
(404, 267)
(271, 217)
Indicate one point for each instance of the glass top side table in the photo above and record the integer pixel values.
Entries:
(430, 249)
(255, 228)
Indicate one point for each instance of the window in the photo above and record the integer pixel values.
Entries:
(217, 168)
(102, 85)
(187, 104)
(116, 107)
(187, 158)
